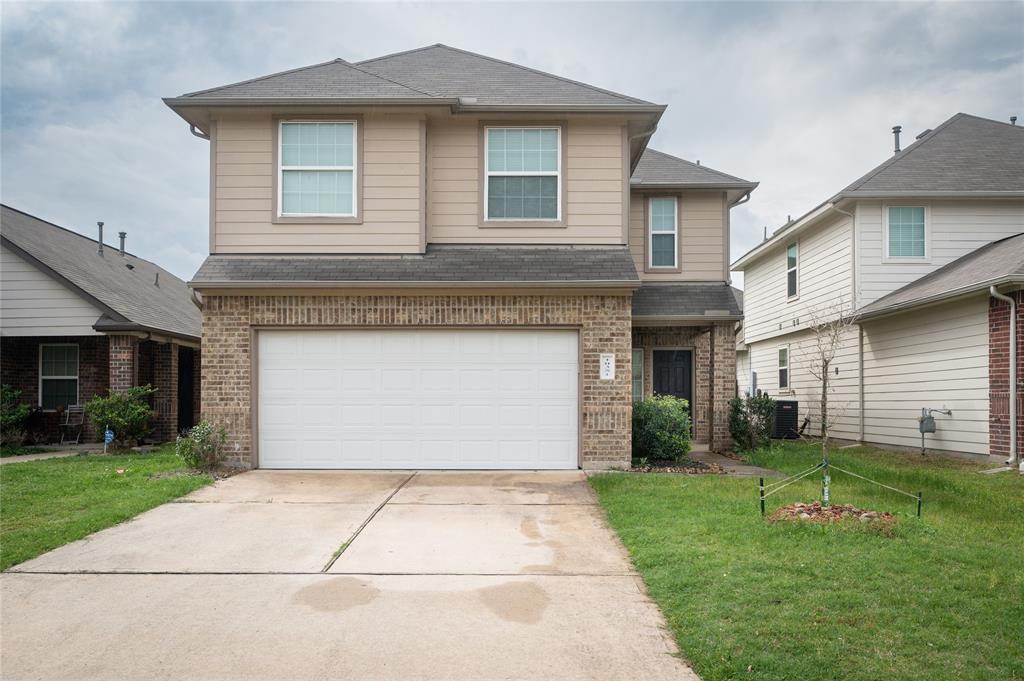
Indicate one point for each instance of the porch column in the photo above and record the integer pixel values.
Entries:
(123, 362)
(723, 383)
(165, 402)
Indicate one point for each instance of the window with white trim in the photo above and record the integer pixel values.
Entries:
(638, 374)
(317, 169)
(792, 281)
(58, 375)
(905, 232)
(523, 169)
(784, 367)
(663, 235)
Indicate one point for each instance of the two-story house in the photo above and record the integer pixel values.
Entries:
(436, 259)
(918, 252)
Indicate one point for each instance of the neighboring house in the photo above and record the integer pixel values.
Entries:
(911, 249)
(78, 318)
(436, 259)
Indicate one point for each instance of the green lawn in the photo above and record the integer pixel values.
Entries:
(746, 599)
(45, 504)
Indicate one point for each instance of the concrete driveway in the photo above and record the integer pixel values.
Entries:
(344, 575)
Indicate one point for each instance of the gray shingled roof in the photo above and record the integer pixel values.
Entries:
(440, 264)
(451, 72)
(686, 300)
(437, 72)
(336, 78)
(995, 263)
(128, 295)
(658, 169)
(966, 154)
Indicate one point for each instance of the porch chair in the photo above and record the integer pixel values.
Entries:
(71, 424)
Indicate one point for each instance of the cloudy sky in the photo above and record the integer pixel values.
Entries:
(798, 96)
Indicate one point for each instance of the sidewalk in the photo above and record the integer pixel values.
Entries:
(734, 466)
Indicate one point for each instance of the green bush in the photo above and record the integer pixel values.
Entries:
(750, 421)
(202, 447)
(661, 428)
(126, 413)
(13, 416)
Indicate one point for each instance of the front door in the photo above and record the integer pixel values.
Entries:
(673, 374)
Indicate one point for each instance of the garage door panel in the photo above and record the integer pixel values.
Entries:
(418, 399)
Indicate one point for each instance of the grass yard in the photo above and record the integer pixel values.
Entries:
(46, 504)
(941, 599)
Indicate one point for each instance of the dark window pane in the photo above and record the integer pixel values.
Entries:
(527, 198)
(791, 282)
(783, 379)
(663, 250)
(59, 392)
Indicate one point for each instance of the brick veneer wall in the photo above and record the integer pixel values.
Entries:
(714, 374)
(604, 322)
(19, 367)
(123, 362)
(165, 401)
(999, 374)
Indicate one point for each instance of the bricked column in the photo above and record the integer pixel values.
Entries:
(165, 380)
(724, 383)
(123, 364)
(999, 374)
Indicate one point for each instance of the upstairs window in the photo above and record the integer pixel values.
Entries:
(318, 171)
(792, 283)
(58, 375)
(664, 232)
(784, 367)
(905, 227)
(523, 173)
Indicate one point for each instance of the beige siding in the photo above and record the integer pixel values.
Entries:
(955, 228)
(594, 183)
(934, 357)
(844, 398)
(825, 275)
(34, 304)
(390, 203)
(703, 253)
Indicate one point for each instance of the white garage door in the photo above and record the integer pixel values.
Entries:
(418, 399)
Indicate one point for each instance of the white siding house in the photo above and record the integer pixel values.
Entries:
(899, 249)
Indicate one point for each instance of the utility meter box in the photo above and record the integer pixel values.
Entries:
(926, 424)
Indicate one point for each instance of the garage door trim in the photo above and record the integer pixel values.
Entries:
(255, 329)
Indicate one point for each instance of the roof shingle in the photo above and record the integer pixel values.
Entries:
(656, 168)
(687, 300)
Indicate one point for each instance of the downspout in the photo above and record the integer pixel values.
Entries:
(860, 328)
(197, 132)
(1014, 459)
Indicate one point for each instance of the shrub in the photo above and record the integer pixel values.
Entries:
(13, 416)
(126, 413)
(661, 428)
(750, 421)
(202, 447)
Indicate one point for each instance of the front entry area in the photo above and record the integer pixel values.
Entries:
(673, 373)
(418, 399)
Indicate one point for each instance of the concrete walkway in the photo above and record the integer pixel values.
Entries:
(734, 466)
(369, 575)
(37, 457)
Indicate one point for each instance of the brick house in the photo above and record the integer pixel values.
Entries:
(78, 318)
(436, 259)
(921, 252)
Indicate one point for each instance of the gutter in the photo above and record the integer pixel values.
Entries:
(277, 283)
(1014, 458)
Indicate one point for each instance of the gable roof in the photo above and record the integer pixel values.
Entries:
(657, 169)
(967, 156)
(128, 295)
(996, 263)
(437, 74)
(964, 155)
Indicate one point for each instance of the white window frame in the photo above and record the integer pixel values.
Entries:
(651, 233)
(637, 352)
(788, 368)
(354, 168)
(76, 377)
(927, 257)
(488, 173)
(795, 269)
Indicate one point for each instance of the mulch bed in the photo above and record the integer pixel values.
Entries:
(685, 467)
(814, 512)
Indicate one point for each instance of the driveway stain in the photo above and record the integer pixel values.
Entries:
(522, 602)
(529, 528)
(337, 594)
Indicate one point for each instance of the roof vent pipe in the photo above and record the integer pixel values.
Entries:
(122, 235)
(1013, 120)
(896, 130)
(99, 241)
(156, 280)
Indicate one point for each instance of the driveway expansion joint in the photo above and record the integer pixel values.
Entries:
(344, 546)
